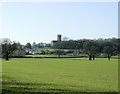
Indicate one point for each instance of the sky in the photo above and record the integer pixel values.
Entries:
(42, 21)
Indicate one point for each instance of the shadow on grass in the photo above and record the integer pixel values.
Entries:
(30, 87)
(17, 87)
(26, 88)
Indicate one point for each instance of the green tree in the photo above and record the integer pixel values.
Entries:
(28, 45)
(19, 51)
(59, 52)
(8, 48)
(43, 52)
(108, 50)
(90, 49)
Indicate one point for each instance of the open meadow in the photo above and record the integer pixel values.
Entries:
(60, 75)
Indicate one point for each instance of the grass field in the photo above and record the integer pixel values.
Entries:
(60, 75)
(45, 56)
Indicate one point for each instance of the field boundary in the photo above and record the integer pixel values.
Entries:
(59, 57)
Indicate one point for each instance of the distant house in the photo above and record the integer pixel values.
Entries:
(48, 45)
(54, 41)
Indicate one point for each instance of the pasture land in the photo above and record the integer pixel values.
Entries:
(60, 75)
(45, 55)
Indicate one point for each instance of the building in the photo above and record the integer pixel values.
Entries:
(58, 39)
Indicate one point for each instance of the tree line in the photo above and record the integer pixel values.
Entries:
(109, 47)
(92, 48)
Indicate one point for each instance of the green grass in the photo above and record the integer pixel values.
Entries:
(45, 55)
(48, 49)
(60, 75)
(52, 55)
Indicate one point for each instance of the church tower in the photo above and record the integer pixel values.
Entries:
(58, 38)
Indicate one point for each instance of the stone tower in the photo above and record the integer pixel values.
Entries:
(58, 38)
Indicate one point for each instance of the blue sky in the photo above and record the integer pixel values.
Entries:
(41, 22)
